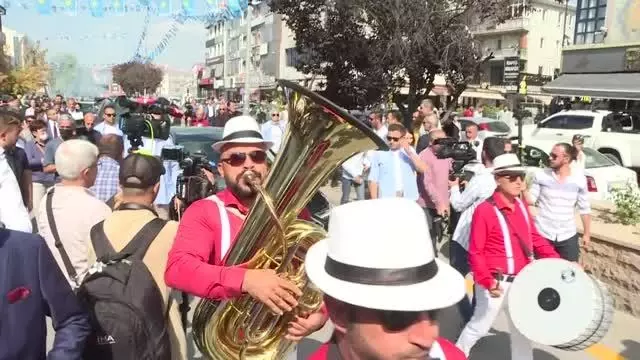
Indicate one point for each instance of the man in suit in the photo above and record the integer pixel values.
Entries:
(31, 288)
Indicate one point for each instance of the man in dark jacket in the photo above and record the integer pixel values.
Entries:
(31, 288)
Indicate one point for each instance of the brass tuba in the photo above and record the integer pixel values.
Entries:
(319, 138)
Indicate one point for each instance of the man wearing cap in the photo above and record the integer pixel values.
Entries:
(210, 226)
(503, 241)
(383, 296)
(140, 182)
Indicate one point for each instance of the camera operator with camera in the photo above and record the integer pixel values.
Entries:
(478, 189)
(146, 128)
(433, 186)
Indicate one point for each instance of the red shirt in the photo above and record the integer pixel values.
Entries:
(195, 262)
(199, 122)
(451, 352)
(488, 249)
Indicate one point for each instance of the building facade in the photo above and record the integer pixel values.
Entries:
(271, 53)
(14, 46)
(534, 34)
(604, 59)
(177, 83)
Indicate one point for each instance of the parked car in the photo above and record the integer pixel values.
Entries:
(487, 127)
(200, 139)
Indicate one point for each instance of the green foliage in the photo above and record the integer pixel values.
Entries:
(368, 50)
(29, 77)
(490, 111)
(137, 77)
(627, 205)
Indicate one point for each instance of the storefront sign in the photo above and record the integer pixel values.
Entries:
(511, 70)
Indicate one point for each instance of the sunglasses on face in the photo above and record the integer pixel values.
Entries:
(110, 115)
(392, 138)
(238, 158)
(513, 176)
(395, 321)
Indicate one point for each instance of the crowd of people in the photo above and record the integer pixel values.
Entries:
(382, 296)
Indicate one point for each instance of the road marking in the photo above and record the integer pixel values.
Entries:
(597, 351)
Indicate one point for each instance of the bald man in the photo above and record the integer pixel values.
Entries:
(433, 186)
(87, 132)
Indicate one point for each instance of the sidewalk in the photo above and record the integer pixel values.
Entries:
(622, 340)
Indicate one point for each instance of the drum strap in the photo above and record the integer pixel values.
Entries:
(506, 226)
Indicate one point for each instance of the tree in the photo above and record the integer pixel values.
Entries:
(137, 77)
(369, 50)
(28, 77)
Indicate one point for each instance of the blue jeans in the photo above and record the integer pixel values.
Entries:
(459, 260)
(346, 190)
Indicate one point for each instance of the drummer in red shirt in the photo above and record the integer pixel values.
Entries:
(503, 241)
(209, 228)
(382, 285)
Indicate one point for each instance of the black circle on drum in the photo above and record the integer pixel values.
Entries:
(548, 299)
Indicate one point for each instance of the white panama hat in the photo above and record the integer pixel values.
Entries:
(507, 163)
(241, 129)
(383, 265)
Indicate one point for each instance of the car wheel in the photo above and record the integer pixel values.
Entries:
(614, 159)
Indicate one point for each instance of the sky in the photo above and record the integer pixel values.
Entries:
(110, 39)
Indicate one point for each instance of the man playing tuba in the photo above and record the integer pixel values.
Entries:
(210, 226)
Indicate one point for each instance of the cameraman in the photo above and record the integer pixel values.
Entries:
(433, 185)
(172, 168)
(481, 186)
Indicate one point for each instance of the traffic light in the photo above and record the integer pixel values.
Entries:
(164, 7)
(44, 7)
(188, 6)
(96, 7)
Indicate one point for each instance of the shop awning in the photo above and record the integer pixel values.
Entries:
(623, 86)
(482, 95)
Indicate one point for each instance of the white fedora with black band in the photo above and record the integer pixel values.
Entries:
(507, 163)
(384, 264)
(241, 130)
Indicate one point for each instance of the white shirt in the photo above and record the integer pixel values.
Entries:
(382, 132)
(76, 115)
(480, 188)
(557, 203)
(106, 129)
(354, 166)
(272, 131)
(13, 213)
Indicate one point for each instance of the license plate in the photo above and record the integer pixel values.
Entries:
(617, 185)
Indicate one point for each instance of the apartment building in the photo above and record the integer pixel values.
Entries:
(271, 55)
(534, 34)
(176, 83)
(14, 46)
(604, 59)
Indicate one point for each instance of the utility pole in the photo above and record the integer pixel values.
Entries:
(564, 26)
(247, 61)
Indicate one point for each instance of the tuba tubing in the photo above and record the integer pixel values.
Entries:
(319, 138)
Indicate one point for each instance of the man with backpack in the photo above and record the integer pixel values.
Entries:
(135, 316)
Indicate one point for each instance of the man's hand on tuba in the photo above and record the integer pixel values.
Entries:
(272, 290)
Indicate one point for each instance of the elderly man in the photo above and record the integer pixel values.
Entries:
(70, 210)
(88, 132)
(274, 130)
(67, 130)
(111, 149)
(382, 296)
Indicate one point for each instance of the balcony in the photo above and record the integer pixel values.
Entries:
(500, 54)
(210, 43)
(511, 25)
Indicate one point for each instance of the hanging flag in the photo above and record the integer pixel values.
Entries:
(44, 7)
(163, 7)
(118, 7)
(96, 7)
(70, 7)
(188, 7)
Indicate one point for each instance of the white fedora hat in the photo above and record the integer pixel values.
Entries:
(382, 264)
(241, 129)
(507, 163)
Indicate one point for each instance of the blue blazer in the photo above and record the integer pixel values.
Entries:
(32, 286)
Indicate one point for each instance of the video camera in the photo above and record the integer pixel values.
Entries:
(145, 118)
(192, 184)
(461, 152)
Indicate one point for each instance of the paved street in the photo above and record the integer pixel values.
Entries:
(622, 341)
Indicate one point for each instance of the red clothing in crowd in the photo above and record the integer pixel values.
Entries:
(195, 262)
(487, 248)
(451, 352)
(199, 122)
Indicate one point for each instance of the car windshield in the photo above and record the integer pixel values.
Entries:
(594, 159)
(198, 139)
(497, 126)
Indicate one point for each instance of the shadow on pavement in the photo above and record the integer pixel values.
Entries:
(305, 349)
(485, 349)
(631, 349)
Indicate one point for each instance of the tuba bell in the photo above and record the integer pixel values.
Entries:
(319, 138)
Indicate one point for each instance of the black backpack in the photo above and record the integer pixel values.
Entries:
(125, 305)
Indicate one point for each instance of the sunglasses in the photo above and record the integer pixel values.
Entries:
(395, 321)
(110, 115)
(513, 176)
(391, 138)
(238, 158)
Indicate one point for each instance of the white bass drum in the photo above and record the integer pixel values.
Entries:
(555, 302)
